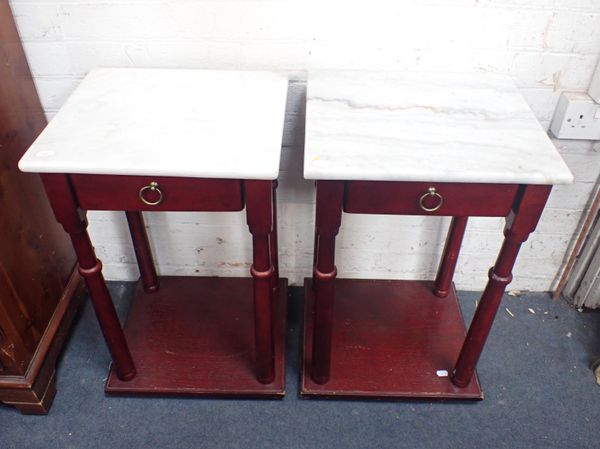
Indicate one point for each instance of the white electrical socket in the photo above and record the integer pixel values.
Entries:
(577, 116)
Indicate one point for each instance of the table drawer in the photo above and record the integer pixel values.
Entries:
(429, 198)
(151, 193)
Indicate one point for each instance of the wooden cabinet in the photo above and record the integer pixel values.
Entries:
(37, 280)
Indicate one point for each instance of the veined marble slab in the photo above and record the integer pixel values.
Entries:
(167, 122)
(425, 127)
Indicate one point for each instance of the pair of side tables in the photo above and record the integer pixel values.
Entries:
(142, 140)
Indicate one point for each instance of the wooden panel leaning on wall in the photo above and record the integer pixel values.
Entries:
(38, 285)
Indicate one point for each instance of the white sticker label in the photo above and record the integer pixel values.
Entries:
(45, 153)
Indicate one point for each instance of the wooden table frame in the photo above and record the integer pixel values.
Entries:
(71, 195)
(522, 205)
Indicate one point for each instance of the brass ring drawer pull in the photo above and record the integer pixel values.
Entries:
(431, 192)
(153, 187)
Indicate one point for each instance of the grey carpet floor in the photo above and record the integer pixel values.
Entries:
(539, 393)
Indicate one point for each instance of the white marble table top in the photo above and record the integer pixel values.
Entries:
(425, 127)
(167, 122)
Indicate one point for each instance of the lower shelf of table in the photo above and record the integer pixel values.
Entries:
(391, 339)
(195, 337)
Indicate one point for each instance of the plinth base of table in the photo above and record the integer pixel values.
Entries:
(195, 337)
(391, 339)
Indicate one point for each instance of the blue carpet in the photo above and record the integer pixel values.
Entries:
(539, 393)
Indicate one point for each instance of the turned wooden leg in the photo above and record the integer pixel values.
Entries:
(259, 211)
(443, 280)
(273, 243)
(315, 252)
(91, 269)
(65, 208)
(327, 224)
(143, 254)
(520, 223)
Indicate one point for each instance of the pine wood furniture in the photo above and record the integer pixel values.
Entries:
(414, 144)
(142, 140)
(38, 284)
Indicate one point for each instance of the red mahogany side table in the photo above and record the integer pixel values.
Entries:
(176, 140)
(458, 145)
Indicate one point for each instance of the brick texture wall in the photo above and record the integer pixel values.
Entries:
(546, 45)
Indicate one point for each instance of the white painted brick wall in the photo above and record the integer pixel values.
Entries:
(545, 45)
